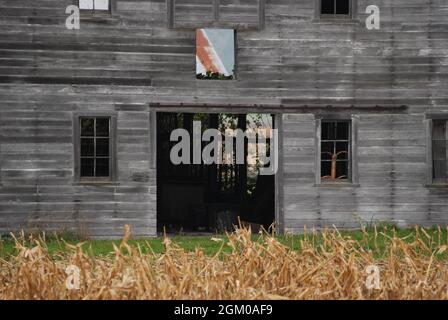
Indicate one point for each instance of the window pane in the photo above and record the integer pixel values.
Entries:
(439, 169)
(342, 150)
(102, 127)
(341, 169)
(87, 167)
(439, 130)
(439, 149)
(102, 167)
(326, 169)
(328, 131)
(335, 140)
(87, 127)
(95, 147)
(342, 6)
(327, 150)
(342, 130)
(87, 147)
(215, 54)
(86, 4)
(327, 7)
(101, 4)
(102, 147)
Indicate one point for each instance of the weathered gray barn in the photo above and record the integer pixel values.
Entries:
(387, 91)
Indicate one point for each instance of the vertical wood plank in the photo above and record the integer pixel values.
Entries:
(317, 147)
(429, 164)
(279, 182)
(354, 149)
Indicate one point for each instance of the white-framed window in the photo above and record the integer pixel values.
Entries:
(95, 5)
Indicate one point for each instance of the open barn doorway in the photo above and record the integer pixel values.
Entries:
(200, 197)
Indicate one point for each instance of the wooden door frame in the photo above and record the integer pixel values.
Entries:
(155, 108)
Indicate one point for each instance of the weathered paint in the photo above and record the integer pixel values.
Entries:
(287, 60)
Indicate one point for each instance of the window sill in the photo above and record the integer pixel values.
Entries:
(106, 18)
(218, 80)
(333, 184)
(341, 20)
(95, 183)
(437, 185)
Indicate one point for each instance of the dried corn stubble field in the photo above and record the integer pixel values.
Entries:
(327, 266)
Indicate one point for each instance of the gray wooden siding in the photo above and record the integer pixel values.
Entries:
(390, 78)
(391, 151)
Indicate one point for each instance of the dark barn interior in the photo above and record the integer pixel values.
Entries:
(211, 197)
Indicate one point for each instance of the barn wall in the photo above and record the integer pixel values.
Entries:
(391, 153)
(122, 63)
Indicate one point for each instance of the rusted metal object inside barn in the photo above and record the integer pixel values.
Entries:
(91, 91)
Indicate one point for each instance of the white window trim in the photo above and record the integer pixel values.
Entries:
(111, 10)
